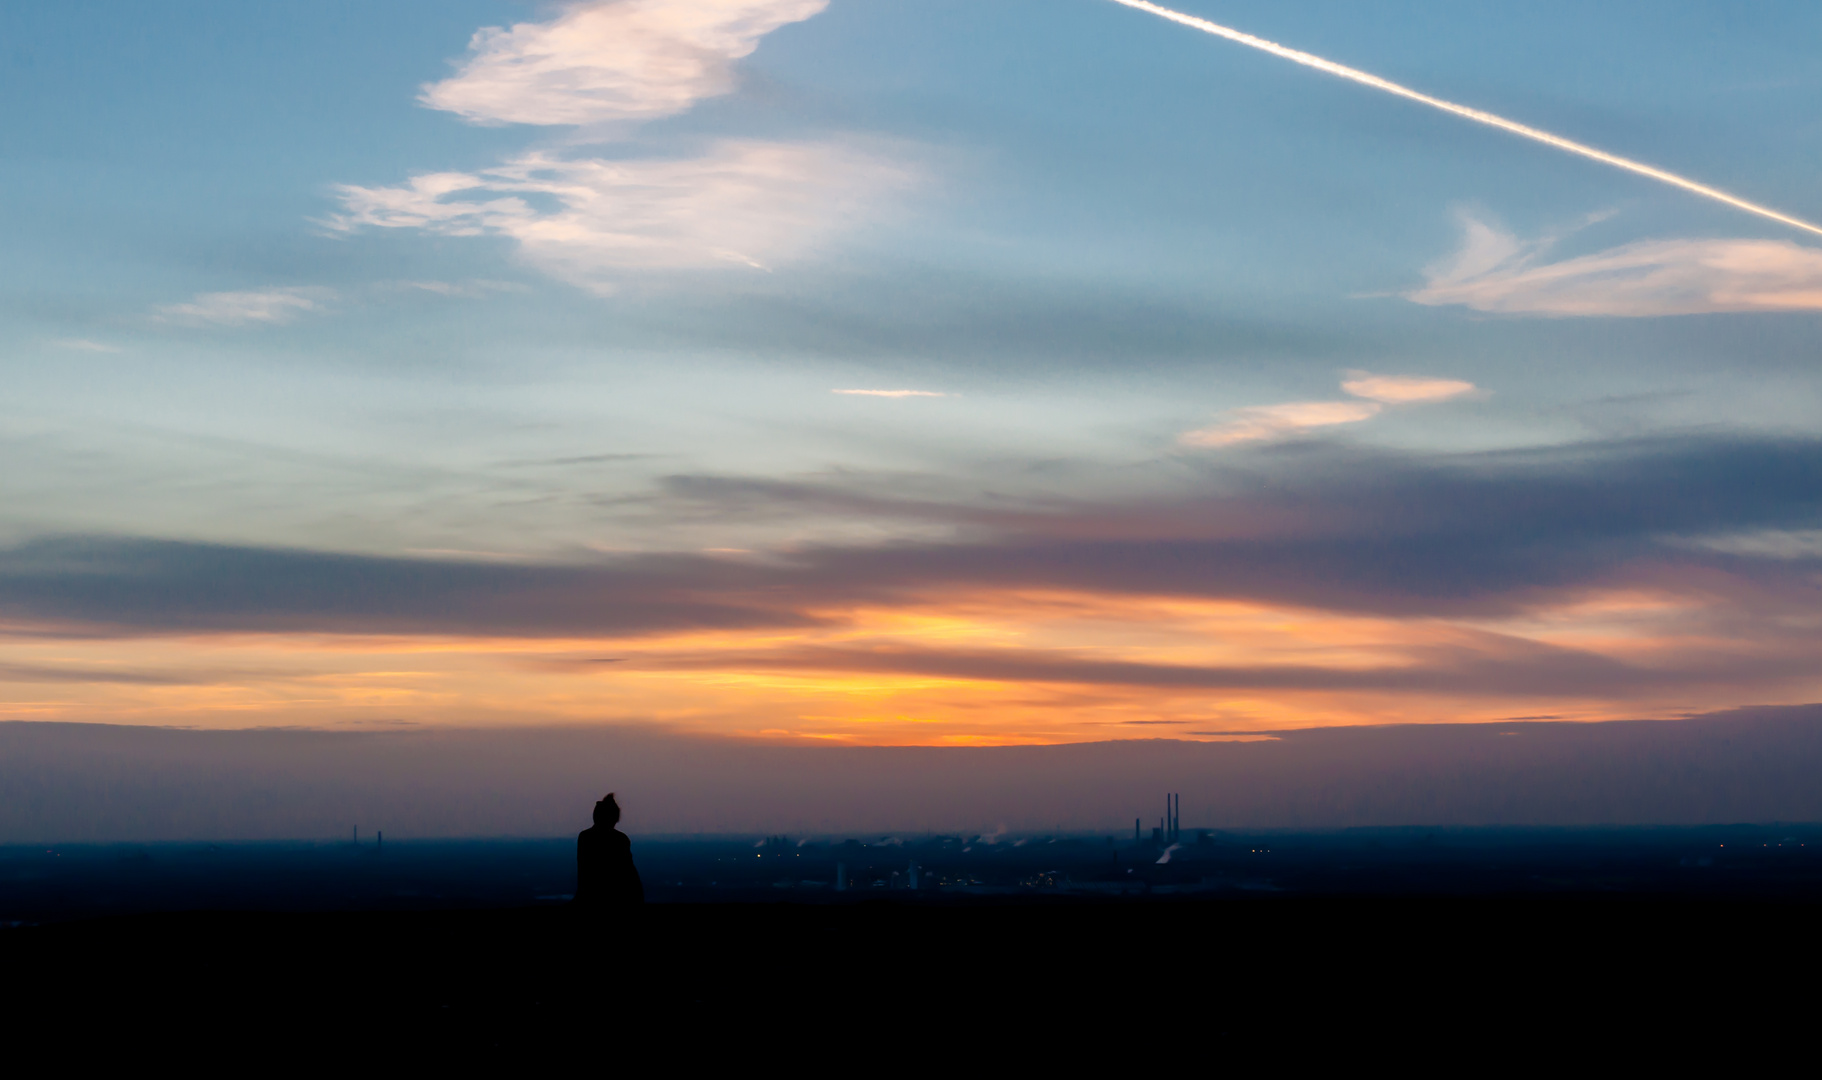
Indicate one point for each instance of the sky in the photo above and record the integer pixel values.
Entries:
(104, 783)
(889, 373)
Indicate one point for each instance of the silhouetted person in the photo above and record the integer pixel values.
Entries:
(605, 875)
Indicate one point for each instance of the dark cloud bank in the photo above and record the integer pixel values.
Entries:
(1318, 526)
(74, 782)
(1321, 526)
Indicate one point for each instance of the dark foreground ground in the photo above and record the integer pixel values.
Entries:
(1463, 948)
(1063, 986)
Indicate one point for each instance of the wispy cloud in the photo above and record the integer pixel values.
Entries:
(85, 345)
(1263, 422)
(269, 306)
(593, 220)
(461, 289)
(892, 393)
(1277, 421)
(743, 203)
(627, 60)
(1404, 389)
(1494, 271)
(1788, 544)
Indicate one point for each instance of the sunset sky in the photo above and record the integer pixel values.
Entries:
(904, 371)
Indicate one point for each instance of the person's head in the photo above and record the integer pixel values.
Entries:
(607, 811)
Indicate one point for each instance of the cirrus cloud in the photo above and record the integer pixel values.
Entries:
(596, 220)
(1264, 422)
(1494, 271)
(269, 306)
(1404, 389)
(85, 345)
(588, 221)
(628, 60)
(1277, 421)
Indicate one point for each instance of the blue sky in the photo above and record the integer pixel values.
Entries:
(1122, 262)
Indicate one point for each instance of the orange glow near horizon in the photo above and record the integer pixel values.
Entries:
(985, 669)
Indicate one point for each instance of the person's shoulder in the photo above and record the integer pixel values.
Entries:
(620, 839)
(586, 834)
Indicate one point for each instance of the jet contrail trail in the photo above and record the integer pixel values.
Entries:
(1501, 122)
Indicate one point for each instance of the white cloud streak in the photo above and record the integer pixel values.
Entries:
(85, 345)
(1476, 115)
(592, 221)
(597, 221)
(269, 306)
(630, 60)
(892, 393)
(1264, 422)
(1261, 423)
(1404, 389)
(1767, 544)
(1496, 272)
(468, 290)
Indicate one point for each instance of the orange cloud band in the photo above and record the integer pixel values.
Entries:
(987, 668)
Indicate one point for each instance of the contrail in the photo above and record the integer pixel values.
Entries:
(1487, 118)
